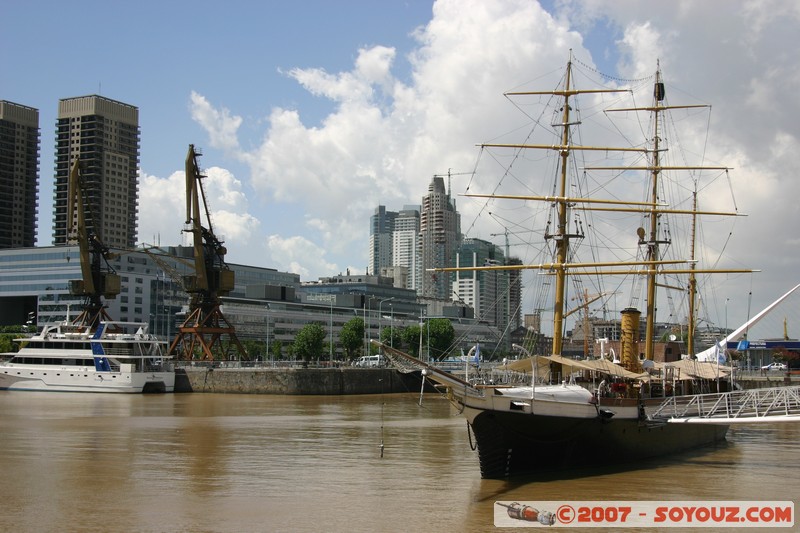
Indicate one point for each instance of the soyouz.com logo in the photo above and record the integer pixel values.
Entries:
(619, 514)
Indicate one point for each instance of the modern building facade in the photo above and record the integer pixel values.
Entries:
(393, 244)
(266, 306)
(36, 280)
(494, 294)
(19, 174)
(104, 135)
(381, 226)
(404, 245)
(439, 238)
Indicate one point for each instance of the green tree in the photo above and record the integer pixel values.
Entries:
(255, 349)
(411, 338)
(442, 335)
(276, 349)
(392, 337)
(351, 337)
(7, 343)
(309, 341)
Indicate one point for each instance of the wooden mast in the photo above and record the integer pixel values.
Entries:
(652, 265)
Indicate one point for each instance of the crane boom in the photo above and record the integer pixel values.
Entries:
(193, 224)
(98, 278)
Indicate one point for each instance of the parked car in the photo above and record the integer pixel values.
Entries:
(774, 366)
(370, 361)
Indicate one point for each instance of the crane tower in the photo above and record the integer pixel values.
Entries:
(98, 278)
(206, 333)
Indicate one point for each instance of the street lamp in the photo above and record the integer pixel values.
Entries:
(366, 308)
(380, 316)
(391, 325)
(330, 346)
(421, 323)
(266, 307)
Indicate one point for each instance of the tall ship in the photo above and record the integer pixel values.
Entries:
(596, 411)
(112, 357)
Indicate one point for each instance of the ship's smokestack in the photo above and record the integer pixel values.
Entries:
(630, 339)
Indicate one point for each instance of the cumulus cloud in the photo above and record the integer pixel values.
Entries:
(163, 205)
(299, 255)
(385, 136)
(220, 125)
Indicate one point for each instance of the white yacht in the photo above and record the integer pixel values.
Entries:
(115, 357)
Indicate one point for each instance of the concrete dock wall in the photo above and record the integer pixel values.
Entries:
(331, 381)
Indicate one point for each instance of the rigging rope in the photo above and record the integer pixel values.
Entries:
(609, 76)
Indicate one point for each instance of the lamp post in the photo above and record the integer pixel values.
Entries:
(268, 354)
(421, 323)
(391, 325)
(380, 316)
(365, 308)
(330, 346)
(169, 322)
(428, 339)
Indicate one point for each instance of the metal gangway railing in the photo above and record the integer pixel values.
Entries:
(746, 406)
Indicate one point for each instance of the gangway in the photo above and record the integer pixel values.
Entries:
(778, 404)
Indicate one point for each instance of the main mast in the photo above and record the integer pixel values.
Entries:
(562, 237)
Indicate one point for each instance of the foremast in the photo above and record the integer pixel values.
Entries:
(562, 236)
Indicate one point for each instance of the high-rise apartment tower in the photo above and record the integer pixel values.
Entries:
(381, 226)
(104, 134)
(19, 174)
(439, 238)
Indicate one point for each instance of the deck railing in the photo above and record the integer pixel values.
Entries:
(754, 403)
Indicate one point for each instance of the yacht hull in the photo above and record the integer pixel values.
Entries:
(54, 379)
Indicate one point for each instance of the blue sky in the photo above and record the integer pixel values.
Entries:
(310, 114)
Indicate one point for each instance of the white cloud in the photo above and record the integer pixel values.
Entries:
(386, 137)
(162, 208)
(163, 205)
(219, 123)
(299, 255)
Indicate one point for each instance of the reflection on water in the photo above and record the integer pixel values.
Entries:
(206, 462)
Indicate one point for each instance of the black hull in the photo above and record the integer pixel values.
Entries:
(511, 444)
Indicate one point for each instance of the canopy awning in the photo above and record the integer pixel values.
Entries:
(596, 365)
(692, 368)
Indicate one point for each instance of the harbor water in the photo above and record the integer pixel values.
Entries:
(239, 463)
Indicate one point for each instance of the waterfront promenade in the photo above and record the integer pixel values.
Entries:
(232, 378)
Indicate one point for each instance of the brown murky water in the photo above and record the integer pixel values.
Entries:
(207, 462)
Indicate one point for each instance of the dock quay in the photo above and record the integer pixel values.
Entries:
(350, 380)
(300, 381)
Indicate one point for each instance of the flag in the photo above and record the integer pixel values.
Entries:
(477, 360)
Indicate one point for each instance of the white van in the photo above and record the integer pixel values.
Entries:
(370, 361)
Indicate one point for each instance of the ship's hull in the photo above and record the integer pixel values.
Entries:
(55, 379)
(518, 443)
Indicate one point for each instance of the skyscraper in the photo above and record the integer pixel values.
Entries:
(484, 290)
(19, 173)
(404, 243)
(495, 295)
(439, 238)
(381, 226)
(104, 134)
